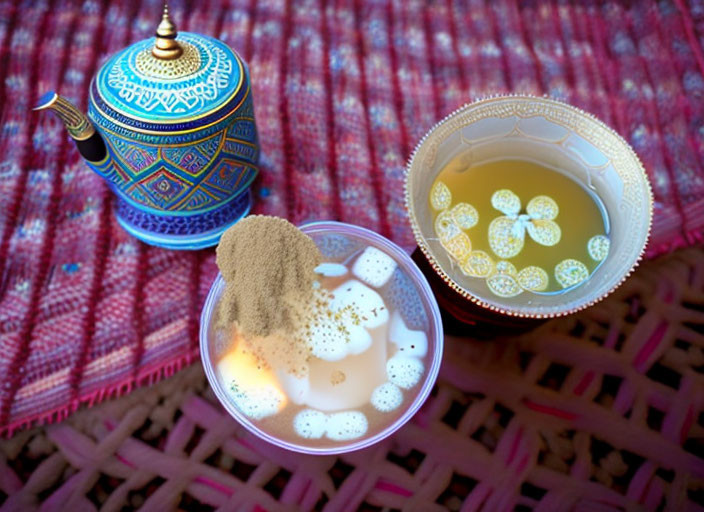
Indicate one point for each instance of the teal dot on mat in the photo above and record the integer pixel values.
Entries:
(70, 268)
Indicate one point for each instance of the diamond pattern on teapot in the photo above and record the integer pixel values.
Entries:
(156, 179)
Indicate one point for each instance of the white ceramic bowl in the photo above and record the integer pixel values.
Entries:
(556, 135)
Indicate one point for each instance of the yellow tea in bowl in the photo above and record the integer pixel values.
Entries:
(520, 225)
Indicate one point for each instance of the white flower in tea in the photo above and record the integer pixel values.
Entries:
(449, 226)
(507, 233)
(478, 264)
(459, 246)
(465, 215)
(571, 272)
(503, 282)
(598, 247)
(506, 267)
(532, 278)
(440, 196)
(455, 241)
(445, 227)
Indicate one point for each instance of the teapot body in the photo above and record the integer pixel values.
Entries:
(182, 142)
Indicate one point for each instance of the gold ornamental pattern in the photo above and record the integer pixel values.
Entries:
(186, 64)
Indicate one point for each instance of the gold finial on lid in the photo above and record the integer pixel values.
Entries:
(166, 46)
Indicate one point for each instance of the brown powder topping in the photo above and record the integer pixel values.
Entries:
(269, 268)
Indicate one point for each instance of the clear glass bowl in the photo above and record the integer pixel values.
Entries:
(318, 231)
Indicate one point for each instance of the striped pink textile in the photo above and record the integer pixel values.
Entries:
(343, 90)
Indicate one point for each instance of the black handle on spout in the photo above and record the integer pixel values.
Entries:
(93, 148)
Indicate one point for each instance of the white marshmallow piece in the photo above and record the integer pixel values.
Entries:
(345, 426)
(326, 341)
(367, 303)
(331, 343)
(310, 424)
(407, 341)
(387, 397)
(404, 371)
(254, 391)
(359, 339)
(257, 403)
(296, 388)
(374, 267)
(331, 269)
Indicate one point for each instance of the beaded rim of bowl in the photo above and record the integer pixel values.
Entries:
(546, 102)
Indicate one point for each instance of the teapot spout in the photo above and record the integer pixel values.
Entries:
(88, 141)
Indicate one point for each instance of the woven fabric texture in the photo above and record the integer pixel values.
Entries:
(601, 411)
(343, 90)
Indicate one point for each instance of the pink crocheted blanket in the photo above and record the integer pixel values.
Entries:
(342, 93)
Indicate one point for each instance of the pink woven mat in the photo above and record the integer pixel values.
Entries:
(342, 90)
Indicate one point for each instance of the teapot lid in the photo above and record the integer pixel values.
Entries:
(173, 82)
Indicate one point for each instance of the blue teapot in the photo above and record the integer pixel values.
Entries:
(170, 127)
